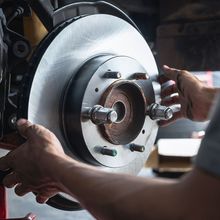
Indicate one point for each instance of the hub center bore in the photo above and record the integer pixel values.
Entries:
(128, 100)
(120, 108)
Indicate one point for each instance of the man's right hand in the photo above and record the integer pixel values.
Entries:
(185, 89)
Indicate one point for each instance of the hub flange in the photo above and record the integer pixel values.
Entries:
(126, 96)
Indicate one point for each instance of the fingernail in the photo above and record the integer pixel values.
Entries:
(21, 122)
(166, 67)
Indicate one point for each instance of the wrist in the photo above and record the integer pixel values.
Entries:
(56, 168)
(63, 167)
(209, 94)
(208, 97)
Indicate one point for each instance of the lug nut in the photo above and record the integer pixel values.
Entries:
(100, 115)
(109, 152)
(141, 76)
(137, 148)
(112, 75)
(160, 112)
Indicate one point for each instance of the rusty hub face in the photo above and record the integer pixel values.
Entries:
(128, 100)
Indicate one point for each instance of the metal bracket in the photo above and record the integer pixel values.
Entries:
(51, 16)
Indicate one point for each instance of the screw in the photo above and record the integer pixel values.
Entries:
(12, 121)
(141, 76)
(157, 111)
(100, 115)
(21, 49)
(137, 148)
(112, 75)
(109, 152)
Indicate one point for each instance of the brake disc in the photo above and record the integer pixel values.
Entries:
(89, 83)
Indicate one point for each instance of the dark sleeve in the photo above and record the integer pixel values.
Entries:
(208, 157)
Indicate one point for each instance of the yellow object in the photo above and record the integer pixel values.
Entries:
(34, 30)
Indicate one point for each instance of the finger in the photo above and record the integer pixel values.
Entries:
(42, 198)
(29, 130)
(167, 91)
(162, 79)
(11, 180)
(22, 190)
(11, 141)
(7, 146)
(24, 126)
(172, 100)
(176, 116)
(6, 161)
(171, 73)
(31, 216)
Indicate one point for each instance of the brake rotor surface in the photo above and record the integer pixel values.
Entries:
(72, 47)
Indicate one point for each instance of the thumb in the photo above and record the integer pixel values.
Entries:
(171, 73)
(24, 127)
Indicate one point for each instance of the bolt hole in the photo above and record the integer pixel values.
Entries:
(21, 48)
(97, 90)
(143, 131)
(119, 107)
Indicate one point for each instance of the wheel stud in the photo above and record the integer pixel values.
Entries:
(137, 148)
(141, 76)
(112, 75)
(109, 152)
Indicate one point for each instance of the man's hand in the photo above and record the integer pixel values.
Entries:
(188, 91)
(31, 163)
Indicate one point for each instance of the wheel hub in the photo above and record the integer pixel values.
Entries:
(107, 85)
(128, 100)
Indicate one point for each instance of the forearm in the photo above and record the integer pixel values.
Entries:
(208, 96)
(112, 196)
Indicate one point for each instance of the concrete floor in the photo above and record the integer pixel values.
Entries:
(21, 206)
